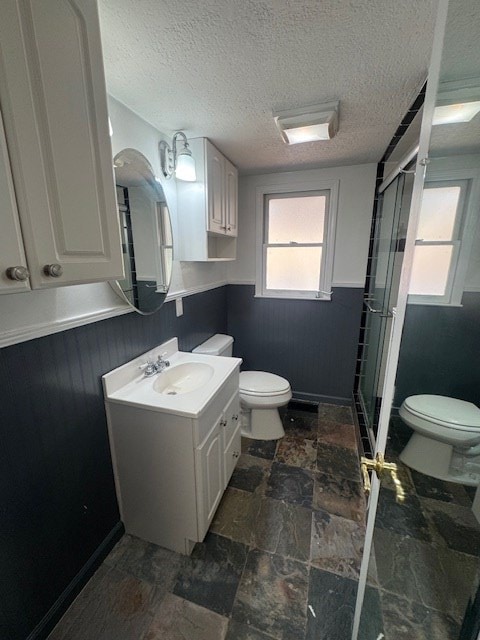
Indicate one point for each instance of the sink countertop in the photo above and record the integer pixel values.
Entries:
(128, 385)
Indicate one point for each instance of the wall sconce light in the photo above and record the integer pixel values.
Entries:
(180, 162)
(308, 124)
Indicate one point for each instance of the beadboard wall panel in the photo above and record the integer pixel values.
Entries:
(311, 343)
(57, 492)
(440, 351)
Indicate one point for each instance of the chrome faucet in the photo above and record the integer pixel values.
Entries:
(161, 364)
(151, 368)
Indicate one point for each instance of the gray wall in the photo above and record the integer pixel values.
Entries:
(57, 494)
(311, 343)
(440, 352)
(56, 483)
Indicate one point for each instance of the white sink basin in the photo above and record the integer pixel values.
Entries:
(184, 389)
(183, 378)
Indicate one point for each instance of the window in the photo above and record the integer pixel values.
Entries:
(443, 243)
(297, 231)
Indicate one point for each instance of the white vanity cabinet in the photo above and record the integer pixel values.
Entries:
(208, 208)
(53, 99)
(171, 470)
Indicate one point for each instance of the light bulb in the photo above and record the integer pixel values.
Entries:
(185, 167)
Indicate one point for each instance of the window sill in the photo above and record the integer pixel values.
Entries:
(432, 303)
(324, 298)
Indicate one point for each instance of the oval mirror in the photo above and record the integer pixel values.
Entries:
(146, 232)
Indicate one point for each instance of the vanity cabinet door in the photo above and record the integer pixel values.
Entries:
(53, 97)
(215, 190)
(209, 476)
(232, 454)
(11, 246)
(231, 199)
(231, 437)
(231, 418)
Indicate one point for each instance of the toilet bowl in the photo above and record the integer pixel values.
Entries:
(261, 394)
(446, 439)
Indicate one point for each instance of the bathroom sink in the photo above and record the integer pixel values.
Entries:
(183, 378)
(184, 388)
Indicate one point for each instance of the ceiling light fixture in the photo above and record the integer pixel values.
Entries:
(453, 113)
(181, 163)
(457, 101)
(308, 124)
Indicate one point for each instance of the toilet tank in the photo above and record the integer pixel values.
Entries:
(217, 345)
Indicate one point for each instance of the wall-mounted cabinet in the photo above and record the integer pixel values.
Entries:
(56, 165)
(208, 208)
(13, 263)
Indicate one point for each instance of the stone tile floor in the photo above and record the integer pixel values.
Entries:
(280, 561)
(426, 553)
(282, 557)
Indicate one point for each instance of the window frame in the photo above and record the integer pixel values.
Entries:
(465, 223)
(329, 188)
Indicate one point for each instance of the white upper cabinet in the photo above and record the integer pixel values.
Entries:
(53, 97)
(231, 198)
(207, 208)
(215, 190)
(13, 264)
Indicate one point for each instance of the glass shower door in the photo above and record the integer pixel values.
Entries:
(381, 293)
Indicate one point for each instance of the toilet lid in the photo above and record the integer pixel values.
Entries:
(260, 383)
(444, 410)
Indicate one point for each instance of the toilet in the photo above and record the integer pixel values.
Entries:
(261, 393)
(446, 439)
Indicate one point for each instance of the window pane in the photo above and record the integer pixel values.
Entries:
(168, 254)
(430, 270)
(167, 229)
(437, 215)
(296, 219)
(293, 268)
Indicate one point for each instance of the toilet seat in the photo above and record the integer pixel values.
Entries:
(262, 384)
(443, 411)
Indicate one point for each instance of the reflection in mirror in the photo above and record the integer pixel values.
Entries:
(146, 232)
(425, 557)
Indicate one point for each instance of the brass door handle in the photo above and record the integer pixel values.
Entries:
(367, 485)
(380, 466)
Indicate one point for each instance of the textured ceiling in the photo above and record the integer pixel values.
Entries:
(218, 68)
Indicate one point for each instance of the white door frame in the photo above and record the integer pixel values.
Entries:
(399, 316)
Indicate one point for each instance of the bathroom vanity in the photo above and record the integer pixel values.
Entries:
(175, 441)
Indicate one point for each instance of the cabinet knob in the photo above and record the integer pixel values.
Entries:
(235, 417)
(53, 270)
(229, 228)
(17, 273)
(223, 423)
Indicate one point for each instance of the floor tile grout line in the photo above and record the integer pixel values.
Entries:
(381, 590)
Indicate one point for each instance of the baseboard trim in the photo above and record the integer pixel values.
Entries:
(303, 405)
(317, 398)
(52, 617)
